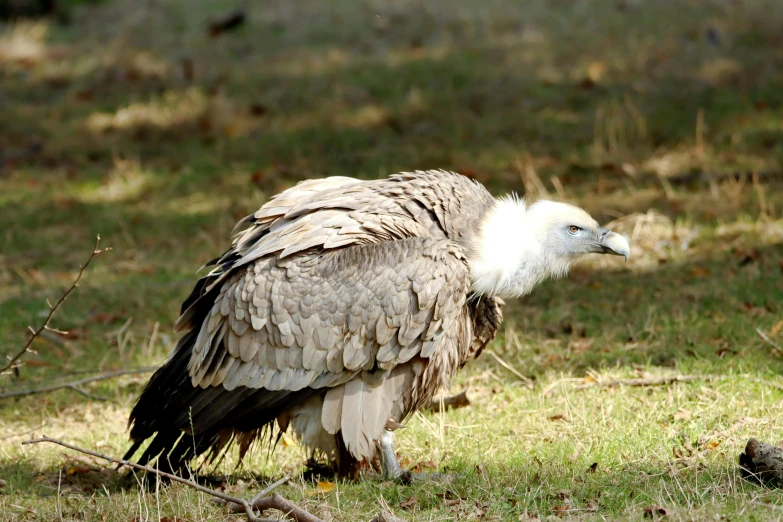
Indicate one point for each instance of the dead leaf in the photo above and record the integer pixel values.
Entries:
(76, 333)
(775, 330)
(699, 272)
(3, 483)
(748, 257)
(84, 95)
(724, 351)
(257, 176)
(580, 345)
(104, 318)
(324, 486)
(753, 309)
(410, 503)
(227, 22)
(654, 512)
(258, 110)
(421, 466)
(596, 70)
(449, 498)
(38, 364)
(79, 470)
(287, 440)
(682, 414)
(558, 416)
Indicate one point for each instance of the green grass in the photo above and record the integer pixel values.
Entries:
(104, 131)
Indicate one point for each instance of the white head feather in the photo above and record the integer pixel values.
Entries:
(520, 245)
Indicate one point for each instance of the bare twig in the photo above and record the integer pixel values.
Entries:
(773, 344)
(53, 308)
(85, 394)
(74, 385)
(648, 381)
(459, 400)
(274, 502)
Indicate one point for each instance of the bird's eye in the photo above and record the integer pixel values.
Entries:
(573, 229)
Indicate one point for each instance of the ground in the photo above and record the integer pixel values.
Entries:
(126, 119)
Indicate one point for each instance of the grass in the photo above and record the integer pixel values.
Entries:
(129, 122)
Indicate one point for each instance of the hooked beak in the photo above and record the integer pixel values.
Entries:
(614, 243)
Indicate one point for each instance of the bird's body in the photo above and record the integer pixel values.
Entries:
(342, 309)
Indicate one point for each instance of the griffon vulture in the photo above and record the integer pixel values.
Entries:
(343, 307)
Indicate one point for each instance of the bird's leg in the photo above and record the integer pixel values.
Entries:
(390, 466)
(391, 469)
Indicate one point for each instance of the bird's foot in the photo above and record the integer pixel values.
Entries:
(390, 466)
(391, 469)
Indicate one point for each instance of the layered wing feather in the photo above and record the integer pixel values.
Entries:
(342, 319)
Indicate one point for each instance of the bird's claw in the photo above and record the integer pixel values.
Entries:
(391, 469)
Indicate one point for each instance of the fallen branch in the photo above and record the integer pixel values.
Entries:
(53, 308)
(453, 401)
(74, 385)
(647, 381)
(276, 501)
(238, 508)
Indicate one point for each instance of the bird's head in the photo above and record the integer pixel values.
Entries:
(520, 245)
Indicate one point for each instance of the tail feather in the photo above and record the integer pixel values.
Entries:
(185, 422)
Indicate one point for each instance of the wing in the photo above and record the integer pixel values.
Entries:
(318, 215)
(323, 320)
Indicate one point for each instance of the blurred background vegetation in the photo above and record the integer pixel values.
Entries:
(159, 123)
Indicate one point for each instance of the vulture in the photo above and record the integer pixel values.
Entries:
(342, 307)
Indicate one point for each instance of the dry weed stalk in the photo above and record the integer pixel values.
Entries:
(53, 308)
(75, 385)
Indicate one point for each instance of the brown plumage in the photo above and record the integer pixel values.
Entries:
(341, 309)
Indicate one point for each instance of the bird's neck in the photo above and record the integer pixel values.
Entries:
(510, 257)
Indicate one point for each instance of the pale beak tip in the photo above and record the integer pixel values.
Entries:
(617, 244)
